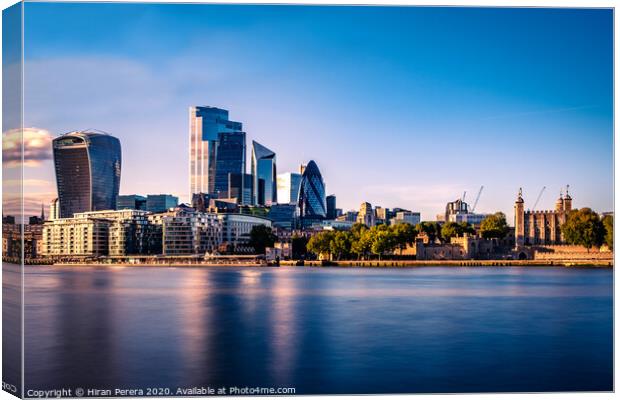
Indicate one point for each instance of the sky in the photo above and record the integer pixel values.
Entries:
(399, 106)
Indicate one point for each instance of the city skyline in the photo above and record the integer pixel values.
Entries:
(415, 136)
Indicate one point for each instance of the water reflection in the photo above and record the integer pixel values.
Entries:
(320, 330)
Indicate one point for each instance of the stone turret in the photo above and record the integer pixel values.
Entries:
(520, 219)
(559, 204)
(568, 201)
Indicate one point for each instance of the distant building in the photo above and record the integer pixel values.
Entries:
(541, 227)
(312, 203)
(408, 217)
(230, 159)
(383, 215)
(54, 209)
(236, 228)
(288, 187)
(88, 171)
(458, 211)
(284, 215)
(264, 174)
(156, 203)
(79, 237)
(130, 202)
(350, 216)
(186, 231)
(206, 124)
(331, 206)
(240, 187)
(366, 215)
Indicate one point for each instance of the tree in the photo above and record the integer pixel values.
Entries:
(383, 240)
(583, 227)
(450, 230)
(320, 244)
(261, 237)
(466, 227)
(404, 234)
(494, 226)
(608, 224)
(431, 229)
(340, 245)
(362, 243)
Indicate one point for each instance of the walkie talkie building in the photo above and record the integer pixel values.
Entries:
(88, 171)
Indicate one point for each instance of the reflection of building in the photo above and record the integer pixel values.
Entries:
(312, 207)
(541, 227)
(366, 215)
(205, 126)
(288, 187)
(131, 202)
(264, 174)
(160, 202)
(88, 171)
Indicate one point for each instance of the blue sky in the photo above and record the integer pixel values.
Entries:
(399, 106)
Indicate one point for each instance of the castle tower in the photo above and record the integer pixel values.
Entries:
(568, 201)
(520, 220)
(559, 204)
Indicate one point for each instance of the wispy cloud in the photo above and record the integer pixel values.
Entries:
(37, 147)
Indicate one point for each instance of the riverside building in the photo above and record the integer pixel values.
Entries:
(88, 171)
(541, 227)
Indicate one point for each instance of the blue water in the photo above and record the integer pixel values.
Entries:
(320, 330)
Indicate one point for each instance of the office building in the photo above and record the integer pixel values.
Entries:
(240, 187)
(284, 215)
(236, 228)
(350, 216)
(230, 159)
(312, 203)
(408, 217)
(330, 202)
(288, 185)
(205, 126)
(54, 209)
(156, 203)
(264, 175)
(88, 171)
(366, 215)
(131, 202)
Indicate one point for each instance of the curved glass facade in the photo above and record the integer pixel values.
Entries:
(88, 172)
(312, 194)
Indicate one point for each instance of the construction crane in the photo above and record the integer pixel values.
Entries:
(463, 198)
(477, 198)
(539, 196)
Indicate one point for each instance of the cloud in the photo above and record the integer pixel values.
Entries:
(37, 147)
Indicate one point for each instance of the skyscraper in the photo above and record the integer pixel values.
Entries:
(230, 159)
(88, 171)
(312, 205)
(240, 187)
(264, 175)
(205, 126)
(331, 206)
(288, 187)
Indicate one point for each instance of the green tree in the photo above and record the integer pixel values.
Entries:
(450, 230)
(404, 234)
(298, 244)
(608, 224)
(383, 240)
(431, 229)
(320, 244)
(340, 245)
(362, 243)
(261, 237)
(494, 226)
(467, 228)
(583, 227)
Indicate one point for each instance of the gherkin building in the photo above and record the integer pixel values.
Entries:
(311, 202)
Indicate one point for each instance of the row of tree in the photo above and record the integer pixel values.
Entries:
(584, 227)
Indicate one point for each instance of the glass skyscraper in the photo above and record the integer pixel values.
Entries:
(288, 188)
(205, 126)
(230, 159)
(312, 205)
(264, 175)
(88, 171)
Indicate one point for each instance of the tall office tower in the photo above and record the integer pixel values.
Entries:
(205, 126)
(288, 187)
(264, 175)
(88, 171)
(312, 205)
(230, 160)
(240, 188)
(331, 206)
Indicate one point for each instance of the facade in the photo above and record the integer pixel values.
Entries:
(284, 215)
(236, 228)
(79, 237)
(288, 187)
(230, 160)
(187, 232)
(330, 202)
(156, 203)
(312, 202)
(350, 216)
(240, 188)
(54, 209)
(408, 217)
(205, 126)
(366, 215)
(264, 175)
(131, 202)
(541, 227)
(88, 171)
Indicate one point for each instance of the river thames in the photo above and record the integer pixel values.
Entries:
(320, 330)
